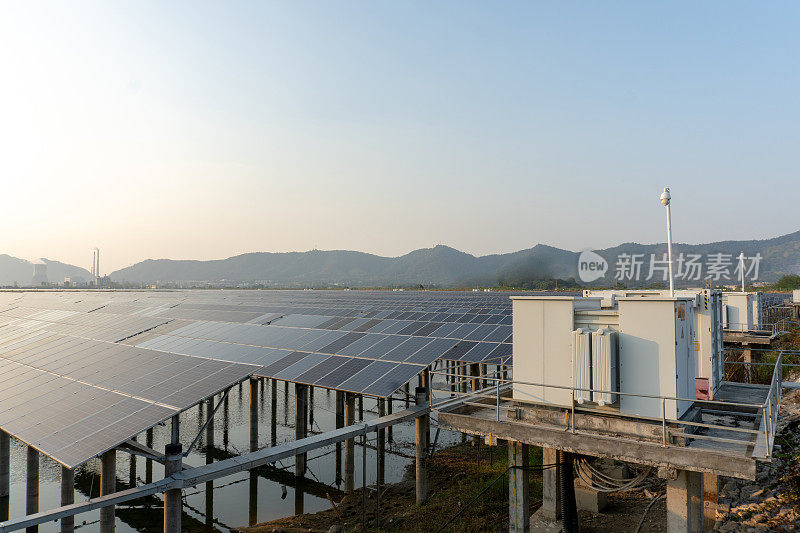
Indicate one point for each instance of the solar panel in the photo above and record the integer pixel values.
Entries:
(154, 353)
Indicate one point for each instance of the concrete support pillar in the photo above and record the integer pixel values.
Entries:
(132, 468)
(172, 497)
(310, 408)
(519, 519)
(148, 465)
(587, 498)
(209, 511)
(225, 424)
(475, 372)
(475, 385)
(32, 486)
(67, 497)
(684, 503)
(301, 394)
(175, 430)
(274, 413)
(108, 485)
(253, 414)
(262, 384)
(209, 425)
(339, 424)
(551, 495)
(389, 434)
(381, 444)
(421, 426)
(5, 475)
(747, 357)
(451, 372)
(349, 444)
(710, 500)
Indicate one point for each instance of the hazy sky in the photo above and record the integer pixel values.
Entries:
(203, 130)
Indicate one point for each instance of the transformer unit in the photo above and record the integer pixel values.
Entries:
(605, 366)
(742, 311)
(707, 345)
(582, 363)
(642, 346)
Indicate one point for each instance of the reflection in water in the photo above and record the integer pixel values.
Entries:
(299, 498)
(253, 505)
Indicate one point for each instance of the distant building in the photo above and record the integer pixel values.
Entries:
(39, 274)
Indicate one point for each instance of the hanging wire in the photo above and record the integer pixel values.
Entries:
(602, 482)
(644, 515)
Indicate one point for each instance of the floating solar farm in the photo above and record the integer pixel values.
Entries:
(82, 371)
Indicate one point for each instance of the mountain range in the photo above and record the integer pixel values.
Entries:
(438, 266)
(445, 266)
(20, 271)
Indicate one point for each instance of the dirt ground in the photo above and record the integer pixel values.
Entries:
(456, 478)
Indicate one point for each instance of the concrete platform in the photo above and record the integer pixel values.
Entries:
(730, 336)
(630, 440)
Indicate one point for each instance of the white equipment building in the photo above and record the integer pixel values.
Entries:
(642, 347)
(742, 311)
(707, 344)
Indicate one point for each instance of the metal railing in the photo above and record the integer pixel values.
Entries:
(774, 327)
(489, 396)
(772, 405)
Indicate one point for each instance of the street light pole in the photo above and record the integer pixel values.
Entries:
(665, 200)
(741, 268)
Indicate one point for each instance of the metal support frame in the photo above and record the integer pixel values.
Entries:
(208, 426)
(135, 448)
(180, 478)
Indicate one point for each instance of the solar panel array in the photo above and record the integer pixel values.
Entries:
(119, 362)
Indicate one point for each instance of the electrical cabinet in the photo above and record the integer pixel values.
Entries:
(706, 346)
(739, 311)
(654, 355)
(643, 346)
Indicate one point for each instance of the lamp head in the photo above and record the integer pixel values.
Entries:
(665, 197)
